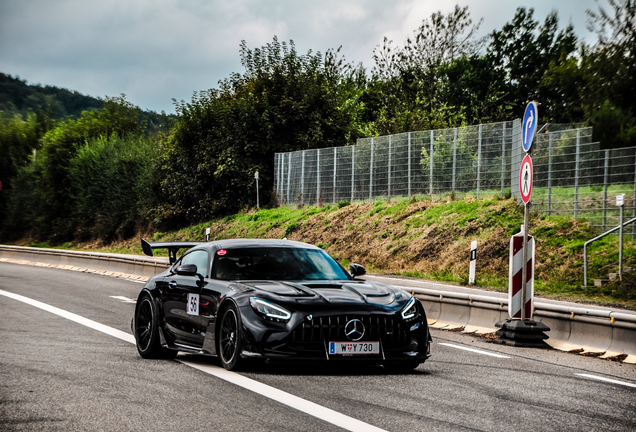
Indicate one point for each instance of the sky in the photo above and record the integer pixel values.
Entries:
(156, 50)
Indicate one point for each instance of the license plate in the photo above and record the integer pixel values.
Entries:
(351, 348)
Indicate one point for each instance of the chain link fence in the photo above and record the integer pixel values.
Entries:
(572, 176)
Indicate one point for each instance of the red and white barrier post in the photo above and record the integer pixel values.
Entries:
(515, 276)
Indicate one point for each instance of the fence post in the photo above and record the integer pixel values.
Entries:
(606, 174)
(318, 200)
(389, 173)
(454, 157)
(634, 201)
(409, 162)
(353, 171)
(371, 174)
(549, 173)
(302, 180)
(431, 158)
(431, 165)
(288, 176)
(503, 158)
(334, 175)
(576, 173)
(478, 161)
(279, 188)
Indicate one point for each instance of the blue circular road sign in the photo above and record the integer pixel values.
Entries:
(529, 126)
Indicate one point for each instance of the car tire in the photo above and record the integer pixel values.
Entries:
(230, 339)
(401, 366)
(146, 331)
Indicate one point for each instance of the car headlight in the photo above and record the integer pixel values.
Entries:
(410, 310)
(269, 310)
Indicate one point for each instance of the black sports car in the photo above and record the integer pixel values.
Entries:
(275, 300)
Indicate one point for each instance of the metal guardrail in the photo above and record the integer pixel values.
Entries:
(604, 317)
(589, 242)
(92, 260)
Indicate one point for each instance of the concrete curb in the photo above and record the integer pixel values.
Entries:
(602, 333)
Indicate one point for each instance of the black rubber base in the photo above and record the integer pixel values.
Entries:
(518, 333)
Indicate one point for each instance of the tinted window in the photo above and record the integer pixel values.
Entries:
(198, 258)
(276, 264)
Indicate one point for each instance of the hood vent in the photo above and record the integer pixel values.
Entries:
(323, 286)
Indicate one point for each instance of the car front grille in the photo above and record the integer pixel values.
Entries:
(388, 329)
(310, 338)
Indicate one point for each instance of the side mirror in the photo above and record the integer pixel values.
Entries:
(357, 270)
(191, 270)
(187, 270)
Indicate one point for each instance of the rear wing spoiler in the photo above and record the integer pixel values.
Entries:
(173, 248)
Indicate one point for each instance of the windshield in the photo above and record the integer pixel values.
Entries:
(276, 264)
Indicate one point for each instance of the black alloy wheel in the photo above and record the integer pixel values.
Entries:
(147, 333)
(230, 339)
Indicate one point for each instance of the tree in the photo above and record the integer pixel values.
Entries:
(522, 51)
(283, 101)
(60, 145)
(609, 69)
(408, 81)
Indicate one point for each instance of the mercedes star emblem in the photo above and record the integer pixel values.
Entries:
(354, 330)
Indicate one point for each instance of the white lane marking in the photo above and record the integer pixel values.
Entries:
(323, 413)
(285, 398)
(608, 380)
(474, 350)
(124, 299)
(73, 317)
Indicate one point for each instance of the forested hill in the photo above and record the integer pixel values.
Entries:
(16, 95)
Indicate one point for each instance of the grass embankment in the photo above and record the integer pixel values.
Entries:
(431, 240)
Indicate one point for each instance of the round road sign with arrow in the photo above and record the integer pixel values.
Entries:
(529, 126)
(525, 179)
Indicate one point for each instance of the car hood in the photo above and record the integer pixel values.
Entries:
(334, 292)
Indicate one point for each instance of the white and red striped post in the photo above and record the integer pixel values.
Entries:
(515, 276)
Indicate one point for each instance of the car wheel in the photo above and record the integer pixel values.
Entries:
(147, 332)
(230, 339)
(401, 367)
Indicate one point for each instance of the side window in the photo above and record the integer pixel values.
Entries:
(198, 258)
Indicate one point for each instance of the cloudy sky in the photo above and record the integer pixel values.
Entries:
(156, 50)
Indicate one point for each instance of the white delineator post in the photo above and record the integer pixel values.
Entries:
(515, 275)
(473, 262)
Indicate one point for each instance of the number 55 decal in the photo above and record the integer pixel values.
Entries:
(193, 304)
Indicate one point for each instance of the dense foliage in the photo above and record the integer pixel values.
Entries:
(113, 169)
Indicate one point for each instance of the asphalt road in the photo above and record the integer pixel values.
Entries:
(56, 374)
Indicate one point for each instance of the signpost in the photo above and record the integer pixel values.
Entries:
(620, 201)
(520, 329)
(528, 131)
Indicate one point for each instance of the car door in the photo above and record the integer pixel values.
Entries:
(184, 313)
(211, 295)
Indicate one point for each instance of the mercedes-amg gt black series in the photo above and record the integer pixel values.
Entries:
(275, 300)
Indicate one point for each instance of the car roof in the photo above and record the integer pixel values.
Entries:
(252, 243)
